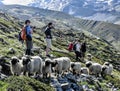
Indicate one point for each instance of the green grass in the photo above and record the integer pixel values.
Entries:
(3, 86)
(24, 83)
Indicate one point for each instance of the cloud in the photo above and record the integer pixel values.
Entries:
(20, 2)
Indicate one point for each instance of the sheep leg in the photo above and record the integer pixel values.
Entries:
(24, 73)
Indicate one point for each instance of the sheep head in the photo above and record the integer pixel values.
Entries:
(88, 64)
(54, 63)
(72, 65)
(14, 60)
(48, 62)
(104, 68)
(26, 61)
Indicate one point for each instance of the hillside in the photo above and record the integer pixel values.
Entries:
(107, 31)
(100, 49)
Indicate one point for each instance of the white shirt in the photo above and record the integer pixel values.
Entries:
(78, 46)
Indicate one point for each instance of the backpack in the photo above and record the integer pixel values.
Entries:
(70, 47)
(74, 47)
(19, 36)
(83, 47)
(22, 34)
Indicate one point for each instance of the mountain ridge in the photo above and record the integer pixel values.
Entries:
(101, 10)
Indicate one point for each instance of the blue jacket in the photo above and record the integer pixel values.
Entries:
(28, 30)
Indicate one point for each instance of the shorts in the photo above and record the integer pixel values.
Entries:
(49, 44)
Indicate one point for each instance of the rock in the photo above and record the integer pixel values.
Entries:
(71, 89)
(6, 69)
(36, 49)
(11, 51)
(58, 89)
(75, 87)
(65, 86)
(83, 77)
(2, 76)
(109, 85)
(0, 68)
(3, 41)
(10, 37)
(71, 77)
(62, 80)
(2, 60)
(85, 87)
(55, 83)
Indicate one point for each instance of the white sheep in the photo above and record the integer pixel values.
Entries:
(76, 67)
(85, 70)
(62, 64)
(47, 67)
(94, 68)
(16, 66)
(107, 69)
(33, 65)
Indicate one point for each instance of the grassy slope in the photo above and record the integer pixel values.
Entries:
(100, 50)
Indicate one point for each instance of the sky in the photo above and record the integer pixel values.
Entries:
(20, 2)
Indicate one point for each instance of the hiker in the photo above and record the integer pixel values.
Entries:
(48, 38)
(28, 40)
(76, 48)
(83, 49)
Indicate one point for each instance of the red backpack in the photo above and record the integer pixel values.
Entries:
(23, 33)
(70, 47)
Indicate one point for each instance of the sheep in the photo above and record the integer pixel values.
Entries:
(33, 65)
(94, 68)
(107, 69)
(76, 67)
(16, 66)
(85, 70)
(47, 67)
(61, 65)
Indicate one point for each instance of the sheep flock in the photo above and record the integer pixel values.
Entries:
(37, 66)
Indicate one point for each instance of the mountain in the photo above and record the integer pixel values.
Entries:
(63, 21)
(100, 10)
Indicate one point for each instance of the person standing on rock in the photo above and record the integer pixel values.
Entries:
(29, 32)
(48, 38)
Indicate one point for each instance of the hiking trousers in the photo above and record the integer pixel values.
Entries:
(78, 55)
(29, 46)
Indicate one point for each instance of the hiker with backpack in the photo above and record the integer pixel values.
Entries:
(76, 48)
(26, 35)
(48, 37)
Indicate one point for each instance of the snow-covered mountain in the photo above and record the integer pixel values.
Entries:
(102, 10)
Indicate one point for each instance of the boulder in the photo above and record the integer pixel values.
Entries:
(11, 51)
(65, 86)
